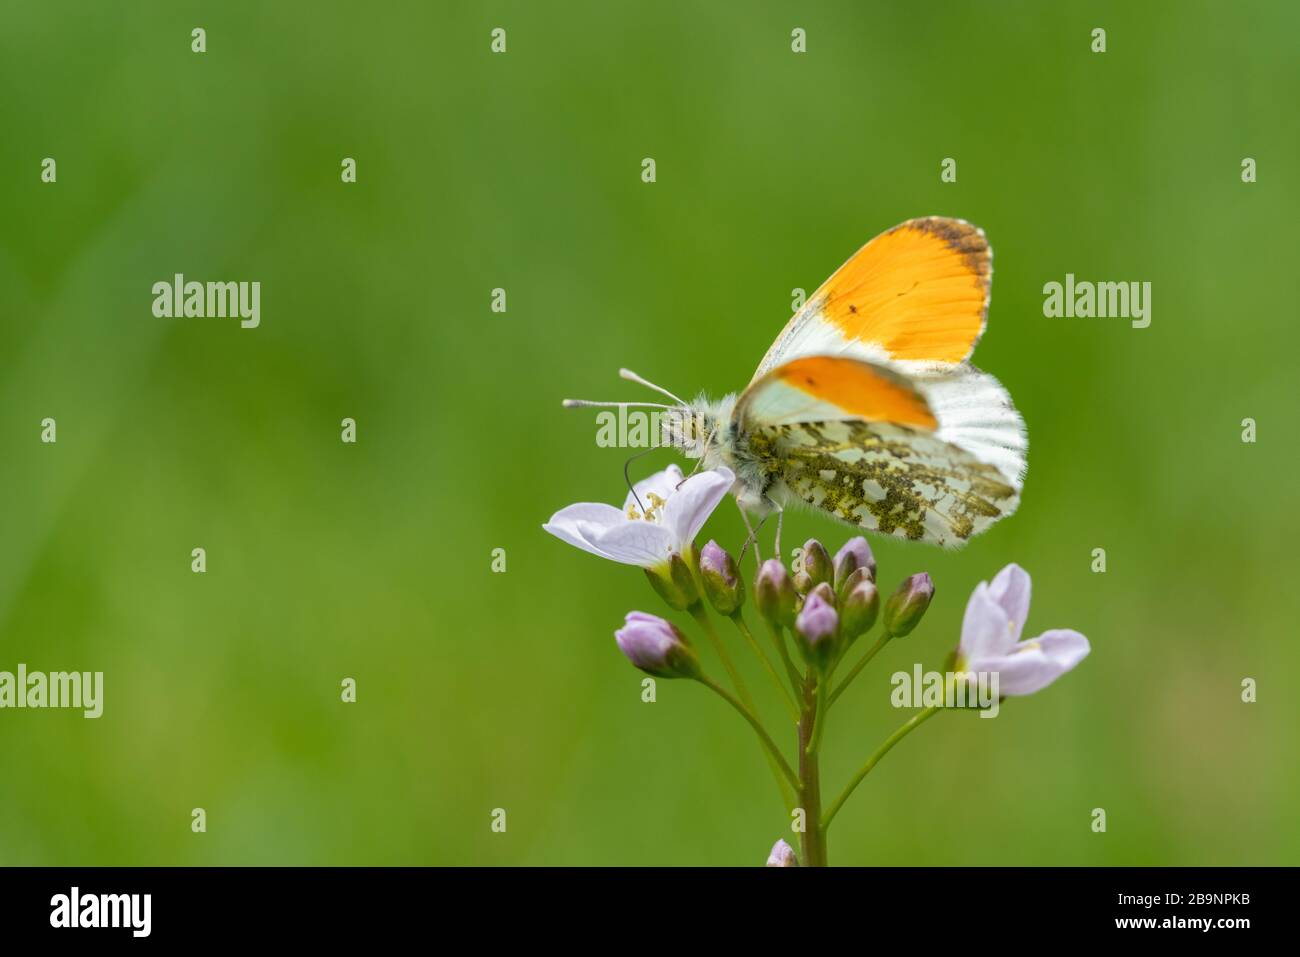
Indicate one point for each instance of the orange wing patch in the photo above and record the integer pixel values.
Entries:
(920, 290)
(861, 390)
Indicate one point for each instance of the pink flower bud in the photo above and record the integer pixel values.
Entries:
(656, 647)
(782, 855)
(818, 625)
(816, 562)
(907, 605)
(722, 584)
(774, 593)
(855, 554)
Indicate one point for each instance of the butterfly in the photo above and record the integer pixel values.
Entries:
(866, 406)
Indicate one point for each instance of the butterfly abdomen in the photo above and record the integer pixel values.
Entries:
(752, 457)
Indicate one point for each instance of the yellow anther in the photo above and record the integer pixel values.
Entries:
(656, 503)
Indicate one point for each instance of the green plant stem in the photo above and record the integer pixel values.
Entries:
(871, 653)
(702, 618)
(819, 726)
(791, 671)
(773, 752)
(698, 613)
(810, 793)
(738, 620)
(903, 731)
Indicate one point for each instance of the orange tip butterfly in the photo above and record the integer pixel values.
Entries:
(866, 406)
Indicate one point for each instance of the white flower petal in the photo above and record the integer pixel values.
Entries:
(636, 543)
(662, 484)
(1011, 590)
(688, 509)
(986, 629)
(1035, 664)
(577, 524)
(595, 512)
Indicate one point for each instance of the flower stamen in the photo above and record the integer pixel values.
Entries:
(656, 504)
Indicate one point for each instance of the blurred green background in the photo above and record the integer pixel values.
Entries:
(479, 690)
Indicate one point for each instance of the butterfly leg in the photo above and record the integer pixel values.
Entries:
(692, 472)
(780, 514)
(751, 538)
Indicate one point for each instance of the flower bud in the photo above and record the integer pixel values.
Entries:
(656, 647)
(722, 584)
(782, 855)
(674, 582)
(827, 594)
(907, 605)
(855, 554)
(818, 625)
(816, 566)
(855, 578)
(859, 606)
(774, 594)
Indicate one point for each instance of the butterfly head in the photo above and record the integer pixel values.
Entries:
(697, 428)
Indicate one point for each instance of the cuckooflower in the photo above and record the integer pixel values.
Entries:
(854, 554)
(816, 562)
(721, 576)
(782, 855)
(774, 594)
(990, 638)
(656, 646)
(907, 605)
(818, 625)
(860, 604)
(660, 518)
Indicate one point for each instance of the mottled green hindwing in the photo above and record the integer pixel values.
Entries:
(886, 478)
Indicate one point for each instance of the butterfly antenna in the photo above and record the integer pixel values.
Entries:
(633, 377)
(628, 478)
(586, 404)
